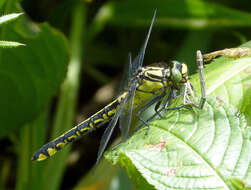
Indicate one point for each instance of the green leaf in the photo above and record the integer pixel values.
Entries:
(186, 14)
(29, 75)
(8, 44)
(239, 184)
(9, 17)
(189, 149)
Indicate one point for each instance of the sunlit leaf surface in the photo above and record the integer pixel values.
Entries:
(190, 149)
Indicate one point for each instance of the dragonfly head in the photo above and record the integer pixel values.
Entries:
(179, 72)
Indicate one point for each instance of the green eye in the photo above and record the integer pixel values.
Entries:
(176, 74)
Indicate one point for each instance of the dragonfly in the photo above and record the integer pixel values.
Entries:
(144, 87)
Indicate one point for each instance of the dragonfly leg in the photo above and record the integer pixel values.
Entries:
(170, 97)
(176, 107)
(153, 101)
(202, 79)
(157, 107)
(168, 109)
(189, 88)
(117, 145)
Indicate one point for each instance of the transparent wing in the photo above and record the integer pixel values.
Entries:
(126, 112)
(109, 130)
(133, 69)
(127, 72)
(138, 61)
(130, 68)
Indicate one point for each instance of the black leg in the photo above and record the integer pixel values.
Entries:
(153, 101)
(202, 79)
(168, 109)
(157, 107)
(170, 97)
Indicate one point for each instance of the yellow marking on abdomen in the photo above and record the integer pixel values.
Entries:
(84, 129)
(105, 116)
(61, 144)
(112, 112)
(72, 137)
(78, 133)
(51, 151)
(98, 120)
(42, 157)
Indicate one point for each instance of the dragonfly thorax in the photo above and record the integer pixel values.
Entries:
(152, 79)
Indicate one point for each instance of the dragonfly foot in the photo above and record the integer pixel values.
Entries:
(158, 113)
(117, 145)
(147, 130)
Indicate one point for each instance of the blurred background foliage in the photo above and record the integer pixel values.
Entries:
(70, 68)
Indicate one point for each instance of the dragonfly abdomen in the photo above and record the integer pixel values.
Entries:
(81, 129)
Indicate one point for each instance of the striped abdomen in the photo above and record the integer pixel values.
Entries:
(83, 128)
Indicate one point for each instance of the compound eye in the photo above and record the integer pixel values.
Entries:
(176, 75)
